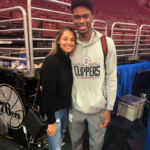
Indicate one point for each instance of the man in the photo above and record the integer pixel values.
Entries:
(94, 80)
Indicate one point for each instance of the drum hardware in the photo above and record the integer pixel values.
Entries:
(3, 126)
(26, 133)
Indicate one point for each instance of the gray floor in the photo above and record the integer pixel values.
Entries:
(118, 136)
(7, 144)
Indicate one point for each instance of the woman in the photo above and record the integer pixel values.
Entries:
(56, 80)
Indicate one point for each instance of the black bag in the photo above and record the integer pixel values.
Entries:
(33, 121)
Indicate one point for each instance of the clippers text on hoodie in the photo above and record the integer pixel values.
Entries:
(87, 70)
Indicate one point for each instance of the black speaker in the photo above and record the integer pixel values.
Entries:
(141, 81)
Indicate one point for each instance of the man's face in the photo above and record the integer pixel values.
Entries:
(82, 19)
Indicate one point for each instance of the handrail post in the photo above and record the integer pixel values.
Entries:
(24, 29)
(30, 35)
(103, 23)
(138, 44)
(136, 37)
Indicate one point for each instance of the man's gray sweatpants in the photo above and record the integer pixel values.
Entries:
(77, 127)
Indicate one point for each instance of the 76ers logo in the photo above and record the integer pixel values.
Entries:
(11, 107)
(86, 60)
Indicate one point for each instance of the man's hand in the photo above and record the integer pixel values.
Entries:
(106, 119)
(51, 130)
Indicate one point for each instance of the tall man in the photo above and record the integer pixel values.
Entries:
(95, 81)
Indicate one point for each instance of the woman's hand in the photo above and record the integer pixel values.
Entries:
(51, 130)
(41, 87)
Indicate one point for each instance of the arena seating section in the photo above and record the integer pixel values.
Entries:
(110, 11)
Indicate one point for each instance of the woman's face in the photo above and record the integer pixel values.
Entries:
(67, 41)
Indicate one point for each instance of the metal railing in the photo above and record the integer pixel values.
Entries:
(101, 28)
(58, 2)
(143, 49)
(131, 51)
(125, 50)
(67, 4)
(24, 19)
(31, 39)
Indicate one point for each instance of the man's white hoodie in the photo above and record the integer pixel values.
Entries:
(94, 88)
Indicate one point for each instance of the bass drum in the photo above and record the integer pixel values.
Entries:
(14, 102)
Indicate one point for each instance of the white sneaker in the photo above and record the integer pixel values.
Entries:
(62, 143)
(22, 66)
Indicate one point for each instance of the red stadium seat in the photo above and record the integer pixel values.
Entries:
(101, 31)
(41, 13)
(107, 17)
(16, 15)
(64, 16)
(142, 37)
(130, 37)
(122, 20)
(70, 19)
(129, 17)
(110, 12)
(136, 17)
(71, 26)
(5, 15)
(44, 17)
(108, 32)
(48, 25)
(114, 19)
(147, 38)
(6, 1)
(97, 24)
(60, 25)
(68, 11)
(109, 23)
(104, 12)
(35, 23)
(3, 6)
(58, 18)
(12, 4)
(145, 22)
(118, 37)
(130, 21)
(144, 18)
(98, 17)
(53, 14)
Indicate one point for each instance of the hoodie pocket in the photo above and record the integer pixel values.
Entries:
(90, 102)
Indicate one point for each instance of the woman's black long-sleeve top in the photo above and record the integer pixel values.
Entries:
(56, 80)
